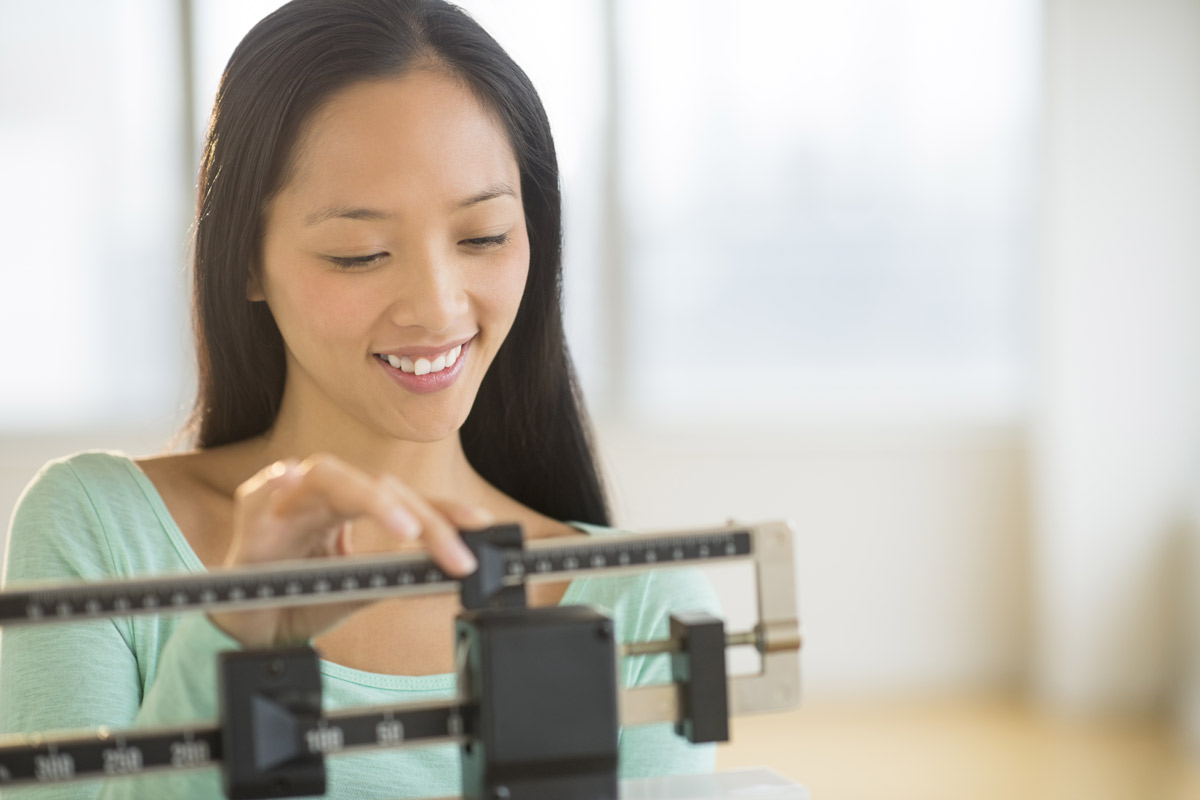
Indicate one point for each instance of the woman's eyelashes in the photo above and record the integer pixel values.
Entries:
(489, 242)
(359, 262)
(356, 262)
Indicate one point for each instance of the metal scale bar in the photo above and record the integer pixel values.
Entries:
(337, 579)
(33, 759)
(53, 757)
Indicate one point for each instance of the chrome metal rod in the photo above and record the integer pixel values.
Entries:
(740, 639)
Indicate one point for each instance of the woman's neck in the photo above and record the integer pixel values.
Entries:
(434, 469)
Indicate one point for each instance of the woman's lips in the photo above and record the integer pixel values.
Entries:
(430, 352)
(430, 381)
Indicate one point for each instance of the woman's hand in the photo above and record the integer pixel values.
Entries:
(293, 510)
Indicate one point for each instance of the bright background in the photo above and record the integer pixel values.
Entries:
(921, 276)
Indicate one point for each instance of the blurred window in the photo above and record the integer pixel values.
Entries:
(798, 208)
(828, 206)
(93, 215)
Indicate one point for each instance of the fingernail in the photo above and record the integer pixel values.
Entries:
(405, 523)
(466, 561)
(279, 468)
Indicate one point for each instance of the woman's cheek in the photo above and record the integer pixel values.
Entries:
(512, 280)
(332, 306)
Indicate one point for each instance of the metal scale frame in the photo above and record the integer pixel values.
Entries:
(273, 735)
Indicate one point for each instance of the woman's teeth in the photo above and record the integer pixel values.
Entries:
(424, 366)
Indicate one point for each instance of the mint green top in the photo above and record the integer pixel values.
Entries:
(97, 516)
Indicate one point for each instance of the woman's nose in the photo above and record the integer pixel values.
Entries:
(430, 293)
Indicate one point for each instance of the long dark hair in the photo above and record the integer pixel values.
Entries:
(527, 433)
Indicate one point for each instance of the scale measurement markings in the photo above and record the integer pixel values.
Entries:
(105, 753)
(134, 752)
(189, 592)
(327, 579)
(652, 550)
(388, 727)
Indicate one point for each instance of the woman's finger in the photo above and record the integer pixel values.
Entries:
(272, 473)
(253, 503)
(333, 492)
(331, 486)
(322, 492)
(341, 543)
(439, 534)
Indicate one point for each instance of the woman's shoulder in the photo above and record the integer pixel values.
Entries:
(78, 482)
(641, 603)
(89, 515)
(63, 519)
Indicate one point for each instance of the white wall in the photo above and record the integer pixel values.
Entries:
(912, 547)
(1117, 434)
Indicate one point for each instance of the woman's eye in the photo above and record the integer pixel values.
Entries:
(355, 262)
(488, 242)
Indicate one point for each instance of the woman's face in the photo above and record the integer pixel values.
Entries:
(395, 257)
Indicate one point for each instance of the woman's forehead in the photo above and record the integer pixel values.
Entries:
(422, 137)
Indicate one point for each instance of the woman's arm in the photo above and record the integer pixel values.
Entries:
(72, 675)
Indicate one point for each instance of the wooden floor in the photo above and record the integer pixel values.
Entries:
(961, 749)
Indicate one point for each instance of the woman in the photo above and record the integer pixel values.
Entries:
(381, 354)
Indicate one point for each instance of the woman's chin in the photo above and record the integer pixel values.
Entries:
(427, 431)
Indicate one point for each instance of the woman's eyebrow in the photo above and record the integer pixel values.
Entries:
(490, 193)
(345, 212)
(374, 214)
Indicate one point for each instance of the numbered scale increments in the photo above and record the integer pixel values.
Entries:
(35, 759)
(330, 580)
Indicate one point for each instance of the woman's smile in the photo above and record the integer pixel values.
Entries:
(425, 370)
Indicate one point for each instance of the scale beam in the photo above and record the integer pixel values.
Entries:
(328, 580)
(51, 757)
